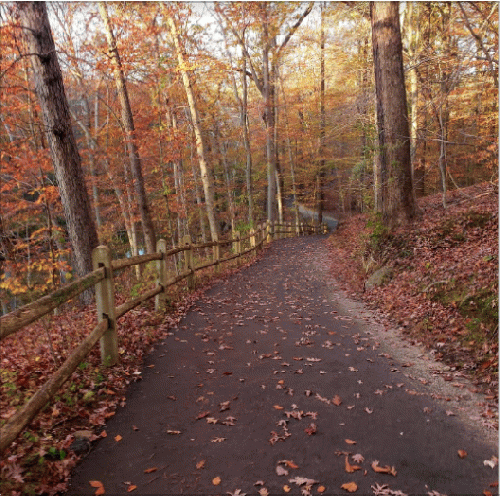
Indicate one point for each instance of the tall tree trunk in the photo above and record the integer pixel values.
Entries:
(206, 173)
(198, 201)
(290, 155)
(128, 126)
(269, 118)
(246, 140)
(392, 114)
(56, 117)
(321, 172)
(414, 42)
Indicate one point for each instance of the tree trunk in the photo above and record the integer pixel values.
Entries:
(56, 117)
(206, 173)
(128, 126)
(246, 139)
(321, 172)
(392, 114)
(269, 119)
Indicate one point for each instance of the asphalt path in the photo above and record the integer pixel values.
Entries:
(273, 384)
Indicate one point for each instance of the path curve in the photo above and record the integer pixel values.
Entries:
(272, 370)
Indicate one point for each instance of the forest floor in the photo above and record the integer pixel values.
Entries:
(441, 282)
(450, 254)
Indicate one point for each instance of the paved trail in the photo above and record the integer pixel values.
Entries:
(251, 377)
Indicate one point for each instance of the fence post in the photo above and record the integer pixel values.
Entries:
(268, 231)
(161, 278)
(252, 238)
(237, 243)
(188, 260)
(105, 303)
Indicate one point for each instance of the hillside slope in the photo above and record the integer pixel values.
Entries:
(441, 280)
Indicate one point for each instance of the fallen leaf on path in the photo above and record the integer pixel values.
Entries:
(287, 489)
(202, 415)
(281, 470)
(289, 463)
(218, 439)
(211, 420)
(368, 410)
(173, 433)
(216, 481)
(462, 453)
(237, 493)
(350, 487)
(224, 406)
(383, 470)
(278, 407)
(336, 400)
(99, 487)
(491, 463)
(135, 428)
(131, 488)
(358, 458)
(263, 491)
(450, 413)
(118, 438)
(350, 441)
(104, 434)
(321, 489)
(303, 480)
(350, 468)
(201, 464)
(150, 470)
(311, 429)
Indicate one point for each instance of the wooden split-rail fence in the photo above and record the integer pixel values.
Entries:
(107, 314)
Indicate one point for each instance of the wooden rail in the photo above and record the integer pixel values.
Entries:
(107, 313)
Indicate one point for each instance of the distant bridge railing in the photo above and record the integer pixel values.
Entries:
(107, 313)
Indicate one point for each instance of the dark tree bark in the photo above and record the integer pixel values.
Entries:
(128, 125)
(396, 193)
(57, 122)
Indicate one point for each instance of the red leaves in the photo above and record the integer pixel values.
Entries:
(311, 429)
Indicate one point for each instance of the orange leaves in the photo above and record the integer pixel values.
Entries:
(350, 487)
(336, 400)
(383, 470)
(98, 486)
(216, 481)
(350, 468)
(462, 453)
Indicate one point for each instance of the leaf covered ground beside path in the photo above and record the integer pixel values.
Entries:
(268, 386)
(443, 288)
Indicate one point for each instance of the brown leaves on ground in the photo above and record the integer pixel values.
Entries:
(350, 468)
(98, 485)
(383, 470)
(445, 276)
(350, 487)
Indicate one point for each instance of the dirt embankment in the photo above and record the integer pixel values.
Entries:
(442, 287)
